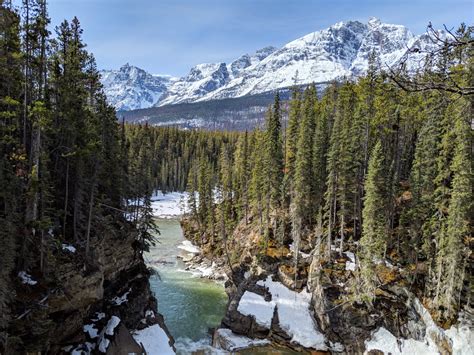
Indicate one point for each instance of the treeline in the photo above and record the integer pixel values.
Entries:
(161, 157)
(62, 172)
(367, 164)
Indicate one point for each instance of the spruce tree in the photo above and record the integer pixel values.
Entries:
(374, 228)
(242, 172)
(291, 135)
(303, 201)
(274, 153)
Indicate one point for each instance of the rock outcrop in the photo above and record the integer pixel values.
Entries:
(395, 322)
(72, 308)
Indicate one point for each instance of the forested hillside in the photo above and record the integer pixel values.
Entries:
(374, 167)
(63, 178)
(240, 113)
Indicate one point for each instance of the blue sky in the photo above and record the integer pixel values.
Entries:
(170, 36)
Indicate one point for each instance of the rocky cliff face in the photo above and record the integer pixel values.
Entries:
(317, 310)
(90, 308)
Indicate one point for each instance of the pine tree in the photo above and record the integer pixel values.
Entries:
(242, 172)
(11, 157)
(451, 253)
(341, 167)
(258, 186)
(274, 153)
(416, 217)
(374, 229)
(294, 118)
(324, 117)
(303, 201)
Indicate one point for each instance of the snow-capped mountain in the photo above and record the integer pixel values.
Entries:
(339, 51)
(131, 88)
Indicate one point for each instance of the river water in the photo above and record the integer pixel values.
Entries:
(191, 305)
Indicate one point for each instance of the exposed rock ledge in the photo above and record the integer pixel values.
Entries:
(88, 310)
(395, 323)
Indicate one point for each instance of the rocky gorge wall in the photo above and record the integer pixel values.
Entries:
(90, 308)
(265, 299)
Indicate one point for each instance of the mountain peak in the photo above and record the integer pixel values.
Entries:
(374, 22)
(339, 51)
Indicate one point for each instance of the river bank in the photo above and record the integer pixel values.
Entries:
(314, 314)
(191, 290)
(190, 303)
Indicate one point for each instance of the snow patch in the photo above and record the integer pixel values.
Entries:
(255, 305)
(385, 341)
(294, 314)
(108, 330)
(150, 313)
(233, 342)
(168, 205)
(460, 336)
(104, 344)
(154, 340)
(111, 325)
(26, 278)
(351, 264)
(118, 300)
(91, 330)
(98, 316)
(69, 248)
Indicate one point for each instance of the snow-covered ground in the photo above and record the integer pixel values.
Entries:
(69, 248)
(168, 205)
(293, 313)
(233, 342)
(460, 336)
(154, 340)
(26, 278)
(350, 265)
(255, 305)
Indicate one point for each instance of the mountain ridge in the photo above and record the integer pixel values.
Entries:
(339, 51)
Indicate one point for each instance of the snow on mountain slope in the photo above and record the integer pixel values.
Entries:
(202, 79)
(390, 42)
(317, 57)
(131, 88)
(245, 61)
(340, 51)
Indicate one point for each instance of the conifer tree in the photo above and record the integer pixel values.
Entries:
(294, 118)
(455, 222)
(274, 153)
(459, 221)
(324, 117)
(373, 241)
(242, 172)
(303, 200)
(11, 156)
(258, 186)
